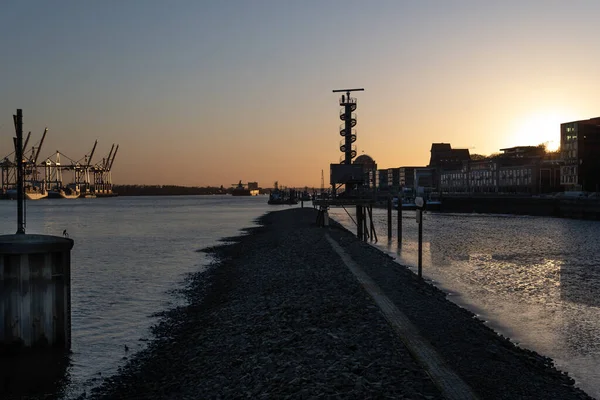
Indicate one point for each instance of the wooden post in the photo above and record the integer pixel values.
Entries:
(389, 218)
(359, 223)
(373, 233)
(18, 120)
(420, 216)
(399, 227)
(365, 227)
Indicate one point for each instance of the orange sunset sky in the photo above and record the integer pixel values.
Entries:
(212, 92)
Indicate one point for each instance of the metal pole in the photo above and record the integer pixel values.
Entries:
(389, 218)
(420, 211)
(19, 155)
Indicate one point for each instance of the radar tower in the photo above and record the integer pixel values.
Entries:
(347, 115)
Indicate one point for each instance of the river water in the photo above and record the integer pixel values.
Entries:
(536, 280)
(130, 254)
(533, 279)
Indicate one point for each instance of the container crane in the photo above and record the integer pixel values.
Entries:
(84, 172)
(35, 153)
(102, 174)
(113, 158)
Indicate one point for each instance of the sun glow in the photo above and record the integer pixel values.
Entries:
(540, 128)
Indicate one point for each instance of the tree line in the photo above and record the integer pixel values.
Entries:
(168, 190)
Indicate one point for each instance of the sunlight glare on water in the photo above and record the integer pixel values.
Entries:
(534, 279)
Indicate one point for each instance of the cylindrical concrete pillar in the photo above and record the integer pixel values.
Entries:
(35, 291)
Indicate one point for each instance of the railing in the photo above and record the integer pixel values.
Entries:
(347, 100)
(352, 150)
(343, 115)
(343, 145)
(343, 131)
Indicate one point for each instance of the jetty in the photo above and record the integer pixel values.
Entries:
(293, 310)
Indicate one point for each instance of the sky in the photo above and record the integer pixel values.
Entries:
(201, 93)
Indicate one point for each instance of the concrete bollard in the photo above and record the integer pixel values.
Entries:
(35, 291)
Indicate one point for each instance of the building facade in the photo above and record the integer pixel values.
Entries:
(393, 175)
(445, 158)
(382, 175)
(516, 170)
(580, 150)
(407, 177)
(424, 181)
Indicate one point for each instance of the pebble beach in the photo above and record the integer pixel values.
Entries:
(278, 314)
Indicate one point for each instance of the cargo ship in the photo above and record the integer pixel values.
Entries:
(241, 190)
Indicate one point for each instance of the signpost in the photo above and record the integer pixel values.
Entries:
(420, 203)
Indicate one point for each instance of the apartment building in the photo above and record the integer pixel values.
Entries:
(580, 150)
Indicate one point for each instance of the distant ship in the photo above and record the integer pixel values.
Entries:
(31, 193)
(68, 192)
(281, 197)
(241, 190)
(278, 196)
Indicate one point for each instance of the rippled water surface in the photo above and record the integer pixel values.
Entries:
(534, 279)
(129, 253)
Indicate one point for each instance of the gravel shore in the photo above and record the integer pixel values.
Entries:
(279, 315)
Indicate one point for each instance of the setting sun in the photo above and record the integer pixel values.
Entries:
(540, 128)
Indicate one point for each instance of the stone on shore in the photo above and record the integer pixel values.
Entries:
(279, 315)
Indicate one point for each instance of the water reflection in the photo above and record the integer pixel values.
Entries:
(534, 279)
(578, 282)
(129, 254)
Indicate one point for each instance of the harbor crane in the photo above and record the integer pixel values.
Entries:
(37, 153)
(39, 179)
(31, 163)
(113, 158)
(102, 173)
(82, 173)
(8, 176)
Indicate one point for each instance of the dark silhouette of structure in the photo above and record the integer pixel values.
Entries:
(349, 134)
(580, 146)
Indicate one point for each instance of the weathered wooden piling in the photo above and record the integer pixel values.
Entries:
(35, 291)
(399, 226)
(389, 218)
(359, 222)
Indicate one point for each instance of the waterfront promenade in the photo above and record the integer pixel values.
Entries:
(280, 315)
